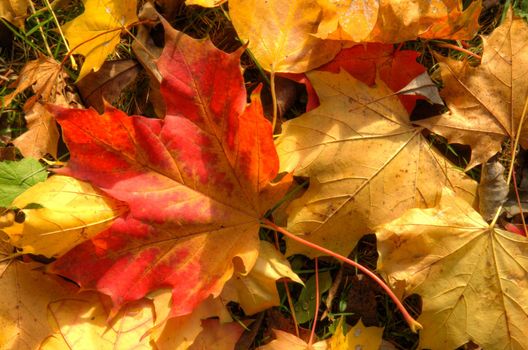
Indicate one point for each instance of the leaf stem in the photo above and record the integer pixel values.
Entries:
(310, 342)
(273, 99)
(413, 324)
(460, 49)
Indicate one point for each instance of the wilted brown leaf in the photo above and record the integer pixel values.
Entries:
(486, 102)
(107, 83)
(42, 136)
(44, 75)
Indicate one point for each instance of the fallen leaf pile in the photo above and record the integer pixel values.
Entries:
(156, 232)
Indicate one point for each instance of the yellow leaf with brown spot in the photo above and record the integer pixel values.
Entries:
(60, 213)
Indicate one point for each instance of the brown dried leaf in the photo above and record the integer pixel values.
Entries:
(486, 102)
(42, 135)
(107, 83)
(44, 76)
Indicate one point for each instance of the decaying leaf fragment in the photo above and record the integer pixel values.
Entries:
(26, 293)
(60, 213)
(486, 102)
(197, 182)
(257, 290)
(473, 278)
(280, 34)
(366, 163)
(96, 32)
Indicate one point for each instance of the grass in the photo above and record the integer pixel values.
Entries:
(41, 37)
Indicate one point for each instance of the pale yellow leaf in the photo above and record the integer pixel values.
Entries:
(25, 294)
(257, 290)
(473, 278)
(82, 322)
(60, 213)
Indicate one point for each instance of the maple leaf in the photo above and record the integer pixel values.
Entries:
(197, 182)
(390, 21)
(472, 277)
(366, 163)
(44, 75)
(60, 213)
(280, 33)
(15, 11)
(96, 32)
(257, 290)
(82, 322)
(22, 309)
(486, 102)
(365, 62)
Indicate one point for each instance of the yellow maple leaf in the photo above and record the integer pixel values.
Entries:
(366, 162)
(60, 213)
(280, 34)
(357, 337)
(96, 32)
(472, 277)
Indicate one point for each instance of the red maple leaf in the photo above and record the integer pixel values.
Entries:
(196, 182)
(396, 68)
